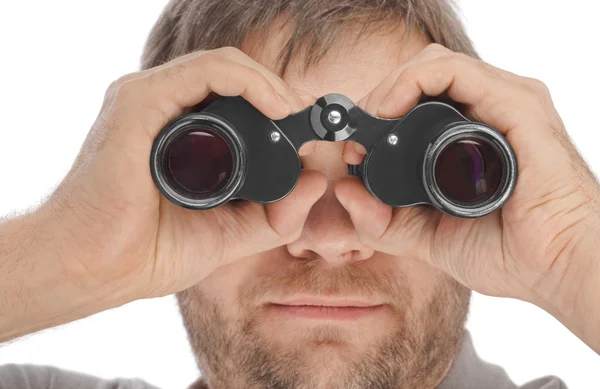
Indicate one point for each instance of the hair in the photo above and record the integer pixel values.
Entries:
(186, 26)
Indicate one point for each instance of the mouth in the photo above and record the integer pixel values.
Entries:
(321, 308)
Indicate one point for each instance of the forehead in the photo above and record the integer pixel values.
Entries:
(352, 66)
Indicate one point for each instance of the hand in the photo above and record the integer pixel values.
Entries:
(127, 237)
(527, 249)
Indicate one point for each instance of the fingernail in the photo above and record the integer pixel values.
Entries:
(361, 104)
(284, 102)
(303, 93)
(305, 99)
(360, 148)
(386, 108)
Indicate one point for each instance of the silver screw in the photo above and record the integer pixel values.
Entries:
(275, 136)
(334, 117)
(393, 140)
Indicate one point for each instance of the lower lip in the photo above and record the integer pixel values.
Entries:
(324, 313)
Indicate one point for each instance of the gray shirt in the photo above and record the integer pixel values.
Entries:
(467, 372)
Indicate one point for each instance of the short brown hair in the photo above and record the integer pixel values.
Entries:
(189, 25)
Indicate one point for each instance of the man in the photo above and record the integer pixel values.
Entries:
(266, 291)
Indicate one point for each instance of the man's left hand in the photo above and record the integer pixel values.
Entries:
(540, 246)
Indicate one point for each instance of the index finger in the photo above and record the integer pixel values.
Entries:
(183, 84)
(488, 92)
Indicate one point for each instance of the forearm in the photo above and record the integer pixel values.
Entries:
(40, 283)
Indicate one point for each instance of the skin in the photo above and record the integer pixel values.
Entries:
(423, 309)
(106, 237)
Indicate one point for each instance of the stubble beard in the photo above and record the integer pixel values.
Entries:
(235, 353)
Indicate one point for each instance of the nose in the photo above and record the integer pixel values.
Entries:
(329, 235)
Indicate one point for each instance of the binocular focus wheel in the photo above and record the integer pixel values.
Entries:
(334, 117)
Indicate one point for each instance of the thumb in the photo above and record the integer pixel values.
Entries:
(307, 98)
(395, 231)
(257, 228)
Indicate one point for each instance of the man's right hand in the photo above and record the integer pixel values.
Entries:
(113, 230)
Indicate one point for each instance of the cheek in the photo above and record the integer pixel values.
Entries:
(422, 279)
(224, 285)
(236, 289)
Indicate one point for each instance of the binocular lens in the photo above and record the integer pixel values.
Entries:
(469, 171)
(199, 162)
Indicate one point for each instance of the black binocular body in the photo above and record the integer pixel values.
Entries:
(433, 155)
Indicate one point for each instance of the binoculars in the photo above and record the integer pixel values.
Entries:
(433, 155)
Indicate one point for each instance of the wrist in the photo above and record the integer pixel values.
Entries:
(97, 248)
(43, 283)
(576, 297)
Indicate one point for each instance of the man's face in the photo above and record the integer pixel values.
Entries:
(369, 320)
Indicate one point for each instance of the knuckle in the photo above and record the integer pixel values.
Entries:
(209, 59)
(410, 73)
(253, 73)
(538, 86)
(229, 51)
(461, 58)
(466, 57)
(449, 60)
(257, 77)
(436, 47)
(128, 90)
(116, 85)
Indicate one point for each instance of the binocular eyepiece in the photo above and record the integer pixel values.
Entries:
(433, 155)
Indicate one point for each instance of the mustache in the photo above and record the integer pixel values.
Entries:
(313, 277)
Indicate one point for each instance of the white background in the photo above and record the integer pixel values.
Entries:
(58, 57)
